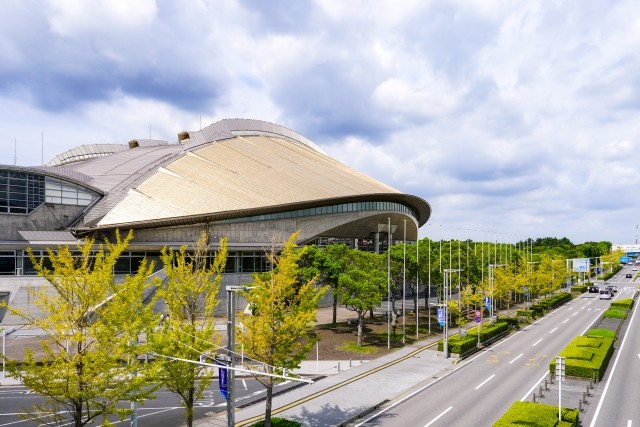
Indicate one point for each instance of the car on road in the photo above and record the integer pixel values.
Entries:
(593, 289)
(605, 294)
(612, 289)
(628, 275)
(634, 269)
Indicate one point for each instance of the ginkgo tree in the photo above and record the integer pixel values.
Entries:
(190, 293)
(91, 324)
(278, 333)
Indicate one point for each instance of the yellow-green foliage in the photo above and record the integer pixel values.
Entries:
(537, 415)
(278, 334)
(91, 325)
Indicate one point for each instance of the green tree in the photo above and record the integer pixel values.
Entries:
(190, 292)
(330, 263)
(279, 333)
(91, 326)
(361, 285)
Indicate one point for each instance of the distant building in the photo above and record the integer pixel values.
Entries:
(250, 181)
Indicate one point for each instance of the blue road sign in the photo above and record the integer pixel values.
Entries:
(222, 380)
(487, 302)
(441, 316)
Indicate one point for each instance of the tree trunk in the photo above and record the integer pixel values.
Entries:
(267, 406)
(335, 306)
(360, 322)
(189, 407)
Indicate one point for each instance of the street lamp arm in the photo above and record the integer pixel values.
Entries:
(249, 371)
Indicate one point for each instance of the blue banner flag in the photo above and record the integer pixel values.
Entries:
(222, 380)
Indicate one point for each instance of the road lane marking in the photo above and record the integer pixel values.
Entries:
(487, 380)
(553, 330)
(629, 423)
(565, 321)
(536, 343)
(575, 313)
(438, 417)
(516, 358)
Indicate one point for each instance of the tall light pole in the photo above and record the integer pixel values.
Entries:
(404, 279)
(445, 330)
(388, 283)
(491, 268)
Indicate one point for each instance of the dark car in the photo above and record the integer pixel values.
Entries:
(594, 290)
(628, 275)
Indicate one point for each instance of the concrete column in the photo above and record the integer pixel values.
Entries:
(376, 242)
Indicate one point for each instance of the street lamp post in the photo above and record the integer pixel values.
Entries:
(491, 306)
(445, 331)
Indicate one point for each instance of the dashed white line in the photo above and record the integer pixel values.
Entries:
(575, 313)
(438, 417)
(553, 330)
(536, 343)
(565, 321)
(485, 381)
(516, 358)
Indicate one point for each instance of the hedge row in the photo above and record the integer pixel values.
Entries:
(586, 357)
(461, 345)
(614, 314)
(580, 288)
(544, 305)
(537, 415)
(622, 304)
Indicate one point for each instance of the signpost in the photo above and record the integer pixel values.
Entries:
(560, 367)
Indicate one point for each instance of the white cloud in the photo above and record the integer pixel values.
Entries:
(519, 118)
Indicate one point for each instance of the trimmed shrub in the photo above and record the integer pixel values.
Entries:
(622, 304)
(537, 415)
(578, 362)
(607, 333)
(614, 314)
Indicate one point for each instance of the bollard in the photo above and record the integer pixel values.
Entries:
(584, 397)
(591, 385)
(338, 366)
(534, 398)
(580, 405)
(546, 386)
(361, 358)
(541, 395)
(350, 363)
(587, 390)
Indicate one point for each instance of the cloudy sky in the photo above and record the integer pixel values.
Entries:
(513, 119)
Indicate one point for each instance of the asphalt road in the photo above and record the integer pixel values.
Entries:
(164, 410)
(479, 390)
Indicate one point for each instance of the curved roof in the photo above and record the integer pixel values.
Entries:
(230, 169)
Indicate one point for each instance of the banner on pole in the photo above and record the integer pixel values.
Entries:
(222, 379)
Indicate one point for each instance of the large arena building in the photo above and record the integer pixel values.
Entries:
(250, 181)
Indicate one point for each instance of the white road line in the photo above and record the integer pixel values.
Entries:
(536, 343)
(487, 380)
(629, 423)
(553, 330)
(526, 396)
(575, 313)
(438, 417)
(244, 383)
(516, 358)
(565, 321)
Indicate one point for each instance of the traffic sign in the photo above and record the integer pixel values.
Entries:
(478, 316)
(487, 302)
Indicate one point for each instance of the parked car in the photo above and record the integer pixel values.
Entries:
(605, 294)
